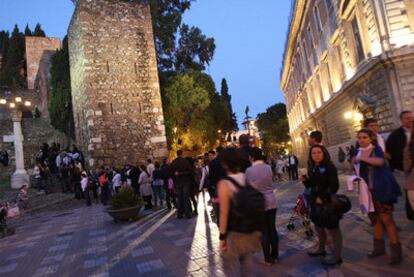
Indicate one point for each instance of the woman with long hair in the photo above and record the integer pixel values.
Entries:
(322, 180)
(145, 188)
(237, 247)
(370, 166)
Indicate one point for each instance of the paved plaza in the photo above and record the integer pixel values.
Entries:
(84, 241)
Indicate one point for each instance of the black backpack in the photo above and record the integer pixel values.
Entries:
(247, 209)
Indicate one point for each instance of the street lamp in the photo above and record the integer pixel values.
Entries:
(20, 176)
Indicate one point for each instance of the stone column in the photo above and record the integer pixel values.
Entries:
(20, 176)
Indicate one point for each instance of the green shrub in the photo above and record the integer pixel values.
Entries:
(126, 198)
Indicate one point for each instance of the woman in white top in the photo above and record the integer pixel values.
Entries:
(116, 181)
(145, 188)
(237, 248)
(85, 188)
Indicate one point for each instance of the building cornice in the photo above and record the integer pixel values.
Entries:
(291, 40)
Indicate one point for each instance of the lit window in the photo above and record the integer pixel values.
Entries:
(358, 40)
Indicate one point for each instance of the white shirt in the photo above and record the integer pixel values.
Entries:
(407, 134)
(292, 160)
(67, 159)
(58, 161)
(84, 183)
(116, 180)
(150, 169)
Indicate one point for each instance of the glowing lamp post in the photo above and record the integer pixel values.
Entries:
(20, 176)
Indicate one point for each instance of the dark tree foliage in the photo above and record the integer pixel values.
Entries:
(166, 20)
(4, 47)
(60, 102)
(274, 127)
(13, 73)
(38, 32)
(27, 31)
(231, 124)
(195, 50)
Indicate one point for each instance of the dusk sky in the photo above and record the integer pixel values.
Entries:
(249, 35)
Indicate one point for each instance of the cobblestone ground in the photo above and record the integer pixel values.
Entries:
(74, 240)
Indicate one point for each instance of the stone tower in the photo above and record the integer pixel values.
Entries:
(114, 79)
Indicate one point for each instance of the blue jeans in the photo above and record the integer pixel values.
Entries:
(158, 194)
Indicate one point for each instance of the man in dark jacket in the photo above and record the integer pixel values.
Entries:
(182, 174)
(395, 145)
(397, 141)
(244, 151)
(216, 171)
(293, 166)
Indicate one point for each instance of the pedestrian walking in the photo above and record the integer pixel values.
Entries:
(244, 150)
(104, 185)
(293, 166)
(409, 173)
(116, 181)
(194, 190)
(239, 232)
(167, 180)
(370, 166)
(182, 171)
(259, 176)
(144, 182)
(395, 145)
(157, 185)
(322, 180)
(216, 173)
(398, 140)
(85, 188)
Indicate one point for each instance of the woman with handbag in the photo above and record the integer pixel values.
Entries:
(322, 180)
(370, 165)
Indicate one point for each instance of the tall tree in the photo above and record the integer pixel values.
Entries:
(60, 102)
(27, 31)
(13, 74)
(38, 32)
(166, 20)
(194, 51)
(231, 124)
(4, 46)
(275, 129)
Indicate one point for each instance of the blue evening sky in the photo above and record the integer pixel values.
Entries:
(249, 36)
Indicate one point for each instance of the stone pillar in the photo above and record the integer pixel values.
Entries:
(20, 176)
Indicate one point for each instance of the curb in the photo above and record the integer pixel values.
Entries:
(28, 211)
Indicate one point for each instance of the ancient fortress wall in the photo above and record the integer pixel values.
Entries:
(115, 88)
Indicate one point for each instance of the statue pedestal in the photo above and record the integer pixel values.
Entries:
(18, 179)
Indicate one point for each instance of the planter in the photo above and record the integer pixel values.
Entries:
(125, 214)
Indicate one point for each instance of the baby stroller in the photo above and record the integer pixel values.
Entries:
(301, 210)
(4, 229)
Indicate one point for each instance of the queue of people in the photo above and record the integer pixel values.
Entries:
(231, 174)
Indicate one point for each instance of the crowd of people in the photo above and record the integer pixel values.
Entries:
(231, 176)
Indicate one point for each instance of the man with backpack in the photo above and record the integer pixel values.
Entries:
(242, 210)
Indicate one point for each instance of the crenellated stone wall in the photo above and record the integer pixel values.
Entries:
(114, 78)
